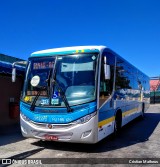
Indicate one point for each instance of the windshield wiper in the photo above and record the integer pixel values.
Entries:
(48, 80)
(69, 109)
(41, 88)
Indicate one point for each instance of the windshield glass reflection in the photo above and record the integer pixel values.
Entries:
(75, 75)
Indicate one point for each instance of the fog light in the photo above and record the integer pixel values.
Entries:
(86, 134)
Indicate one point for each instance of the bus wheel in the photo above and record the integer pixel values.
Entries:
(117, 123)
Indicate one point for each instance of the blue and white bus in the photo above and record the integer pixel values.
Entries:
(80, 94)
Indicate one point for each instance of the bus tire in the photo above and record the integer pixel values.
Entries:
(117, 122)
(142, 113)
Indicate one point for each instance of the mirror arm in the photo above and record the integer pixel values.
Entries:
(107, 72)
(13, 65)
(14, 69)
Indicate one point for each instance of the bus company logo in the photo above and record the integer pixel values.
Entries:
(49, 126)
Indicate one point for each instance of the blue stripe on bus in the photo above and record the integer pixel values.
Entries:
(61, 118)
(106, 113)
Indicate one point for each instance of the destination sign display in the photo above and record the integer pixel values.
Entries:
(43, 65)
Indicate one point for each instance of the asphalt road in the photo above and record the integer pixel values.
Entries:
(138, 139)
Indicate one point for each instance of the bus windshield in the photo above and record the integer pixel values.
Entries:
(75, 76)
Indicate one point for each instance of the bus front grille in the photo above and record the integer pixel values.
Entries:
(51, 126)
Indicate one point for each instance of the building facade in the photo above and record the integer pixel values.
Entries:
(9, 91)
(155, 90)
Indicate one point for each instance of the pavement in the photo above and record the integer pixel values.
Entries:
(139, 139)
(14, 145)
(10, 134)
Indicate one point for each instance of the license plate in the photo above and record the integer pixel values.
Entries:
(50, 137)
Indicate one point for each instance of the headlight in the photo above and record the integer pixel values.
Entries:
(84, 119)
(25, 117)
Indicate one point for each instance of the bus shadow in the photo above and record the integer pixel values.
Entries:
(136, 131)
(10, 134)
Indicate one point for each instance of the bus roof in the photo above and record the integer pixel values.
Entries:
(68, 50)
(76, 49)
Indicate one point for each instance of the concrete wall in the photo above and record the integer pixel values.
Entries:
(9, 90)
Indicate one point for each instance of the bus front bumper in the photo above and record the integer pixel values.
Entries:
(75, 133)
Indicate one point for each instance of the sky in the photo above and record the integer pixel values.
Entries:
(129, 27)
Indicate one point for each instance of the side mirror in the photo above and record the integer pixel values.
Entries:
(107, 71)
(13, 74)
